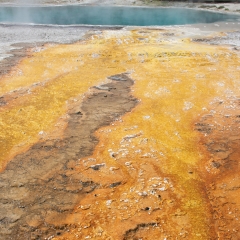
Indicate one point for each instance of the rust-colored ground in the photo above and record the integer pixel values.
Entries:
(221, 141)
(76, 164)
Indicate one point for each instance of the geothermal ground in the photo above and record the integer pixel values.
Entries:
(128, 133)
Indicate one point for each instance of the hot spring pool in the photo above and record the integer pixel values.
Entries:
(96, 15)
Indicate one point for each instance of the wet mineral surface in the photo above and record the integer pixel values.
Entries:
(126, 134)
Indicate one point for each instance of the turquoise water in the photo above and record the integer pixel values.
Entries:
(95, 15)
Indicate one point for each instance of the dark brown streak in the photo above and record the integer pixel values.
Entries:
(40, 188)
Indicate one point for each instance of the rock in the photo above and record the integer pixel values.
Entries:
(85, 207)
(97, 166)
(118, 78)
(114, 184)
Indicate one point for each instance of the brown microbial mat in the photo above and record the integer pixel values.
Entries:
(128, 134)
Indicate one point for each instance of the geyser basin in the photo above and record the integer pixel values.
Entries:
(95, 15)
